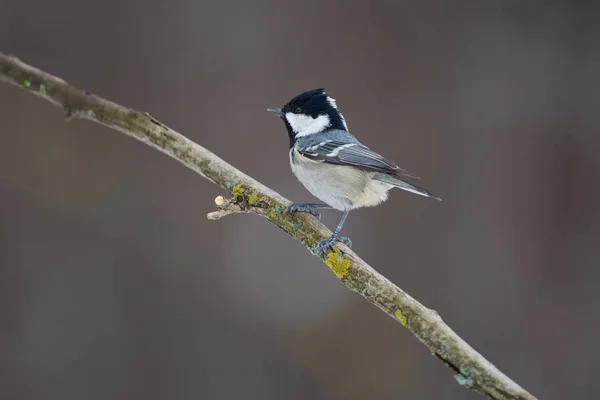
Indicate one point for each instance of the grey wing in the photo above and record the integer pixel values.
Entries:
(354, 154)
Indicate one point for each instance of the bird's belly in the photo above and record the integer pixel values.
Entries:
(374, 193)
(341, 187)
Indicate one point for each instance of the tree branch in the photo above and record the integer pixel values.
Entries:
(469, 367)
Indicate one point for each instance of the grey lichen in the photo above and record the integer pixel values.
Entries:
(464, 380)
(466, 376)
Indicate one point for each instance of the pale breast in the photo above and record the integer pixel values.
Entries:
(341, 187)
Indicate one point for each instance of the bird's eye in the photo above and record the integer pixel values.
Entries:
(297, 110)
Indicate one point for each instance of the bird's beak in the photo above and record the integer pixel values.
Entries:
(276, 111)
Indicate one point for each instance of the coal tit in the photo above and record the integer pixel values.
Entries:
(333, 165)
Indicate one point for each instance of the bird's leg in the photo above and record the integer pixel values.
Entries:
(311, 208)
(321, 249)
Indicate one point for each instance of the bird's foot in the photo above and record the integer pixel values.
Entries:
(324, 245)
(299, 207)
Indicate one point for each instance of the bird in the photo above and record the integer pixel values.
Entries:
(333, 165)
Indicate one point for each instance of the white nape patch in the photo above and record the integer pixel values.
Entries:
(316, 146)
(337, 150)
(304, 125)
(333, 104)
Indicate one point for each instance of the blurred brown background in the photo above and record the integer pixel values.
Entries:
(113, 285)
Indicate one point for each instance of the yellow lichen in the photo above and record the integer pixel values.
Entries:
(401, 317)
(252, 199)
(275, 210)
(338, 264)
(237, 190)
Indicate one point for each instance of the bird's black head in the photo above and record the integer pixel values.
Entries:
(310, 112)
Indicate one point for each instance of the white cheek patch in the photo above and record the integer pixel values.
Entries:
(333, 104)
(304, 125)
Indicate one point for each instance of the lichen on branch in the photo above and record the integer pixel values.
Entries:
(470, 368)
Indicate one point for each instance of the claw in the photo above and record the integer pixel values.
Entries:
(302, 208)
(324, 245)
(346, 240)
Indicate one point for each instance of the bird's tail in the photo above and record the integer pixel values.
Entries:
(404, 185)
